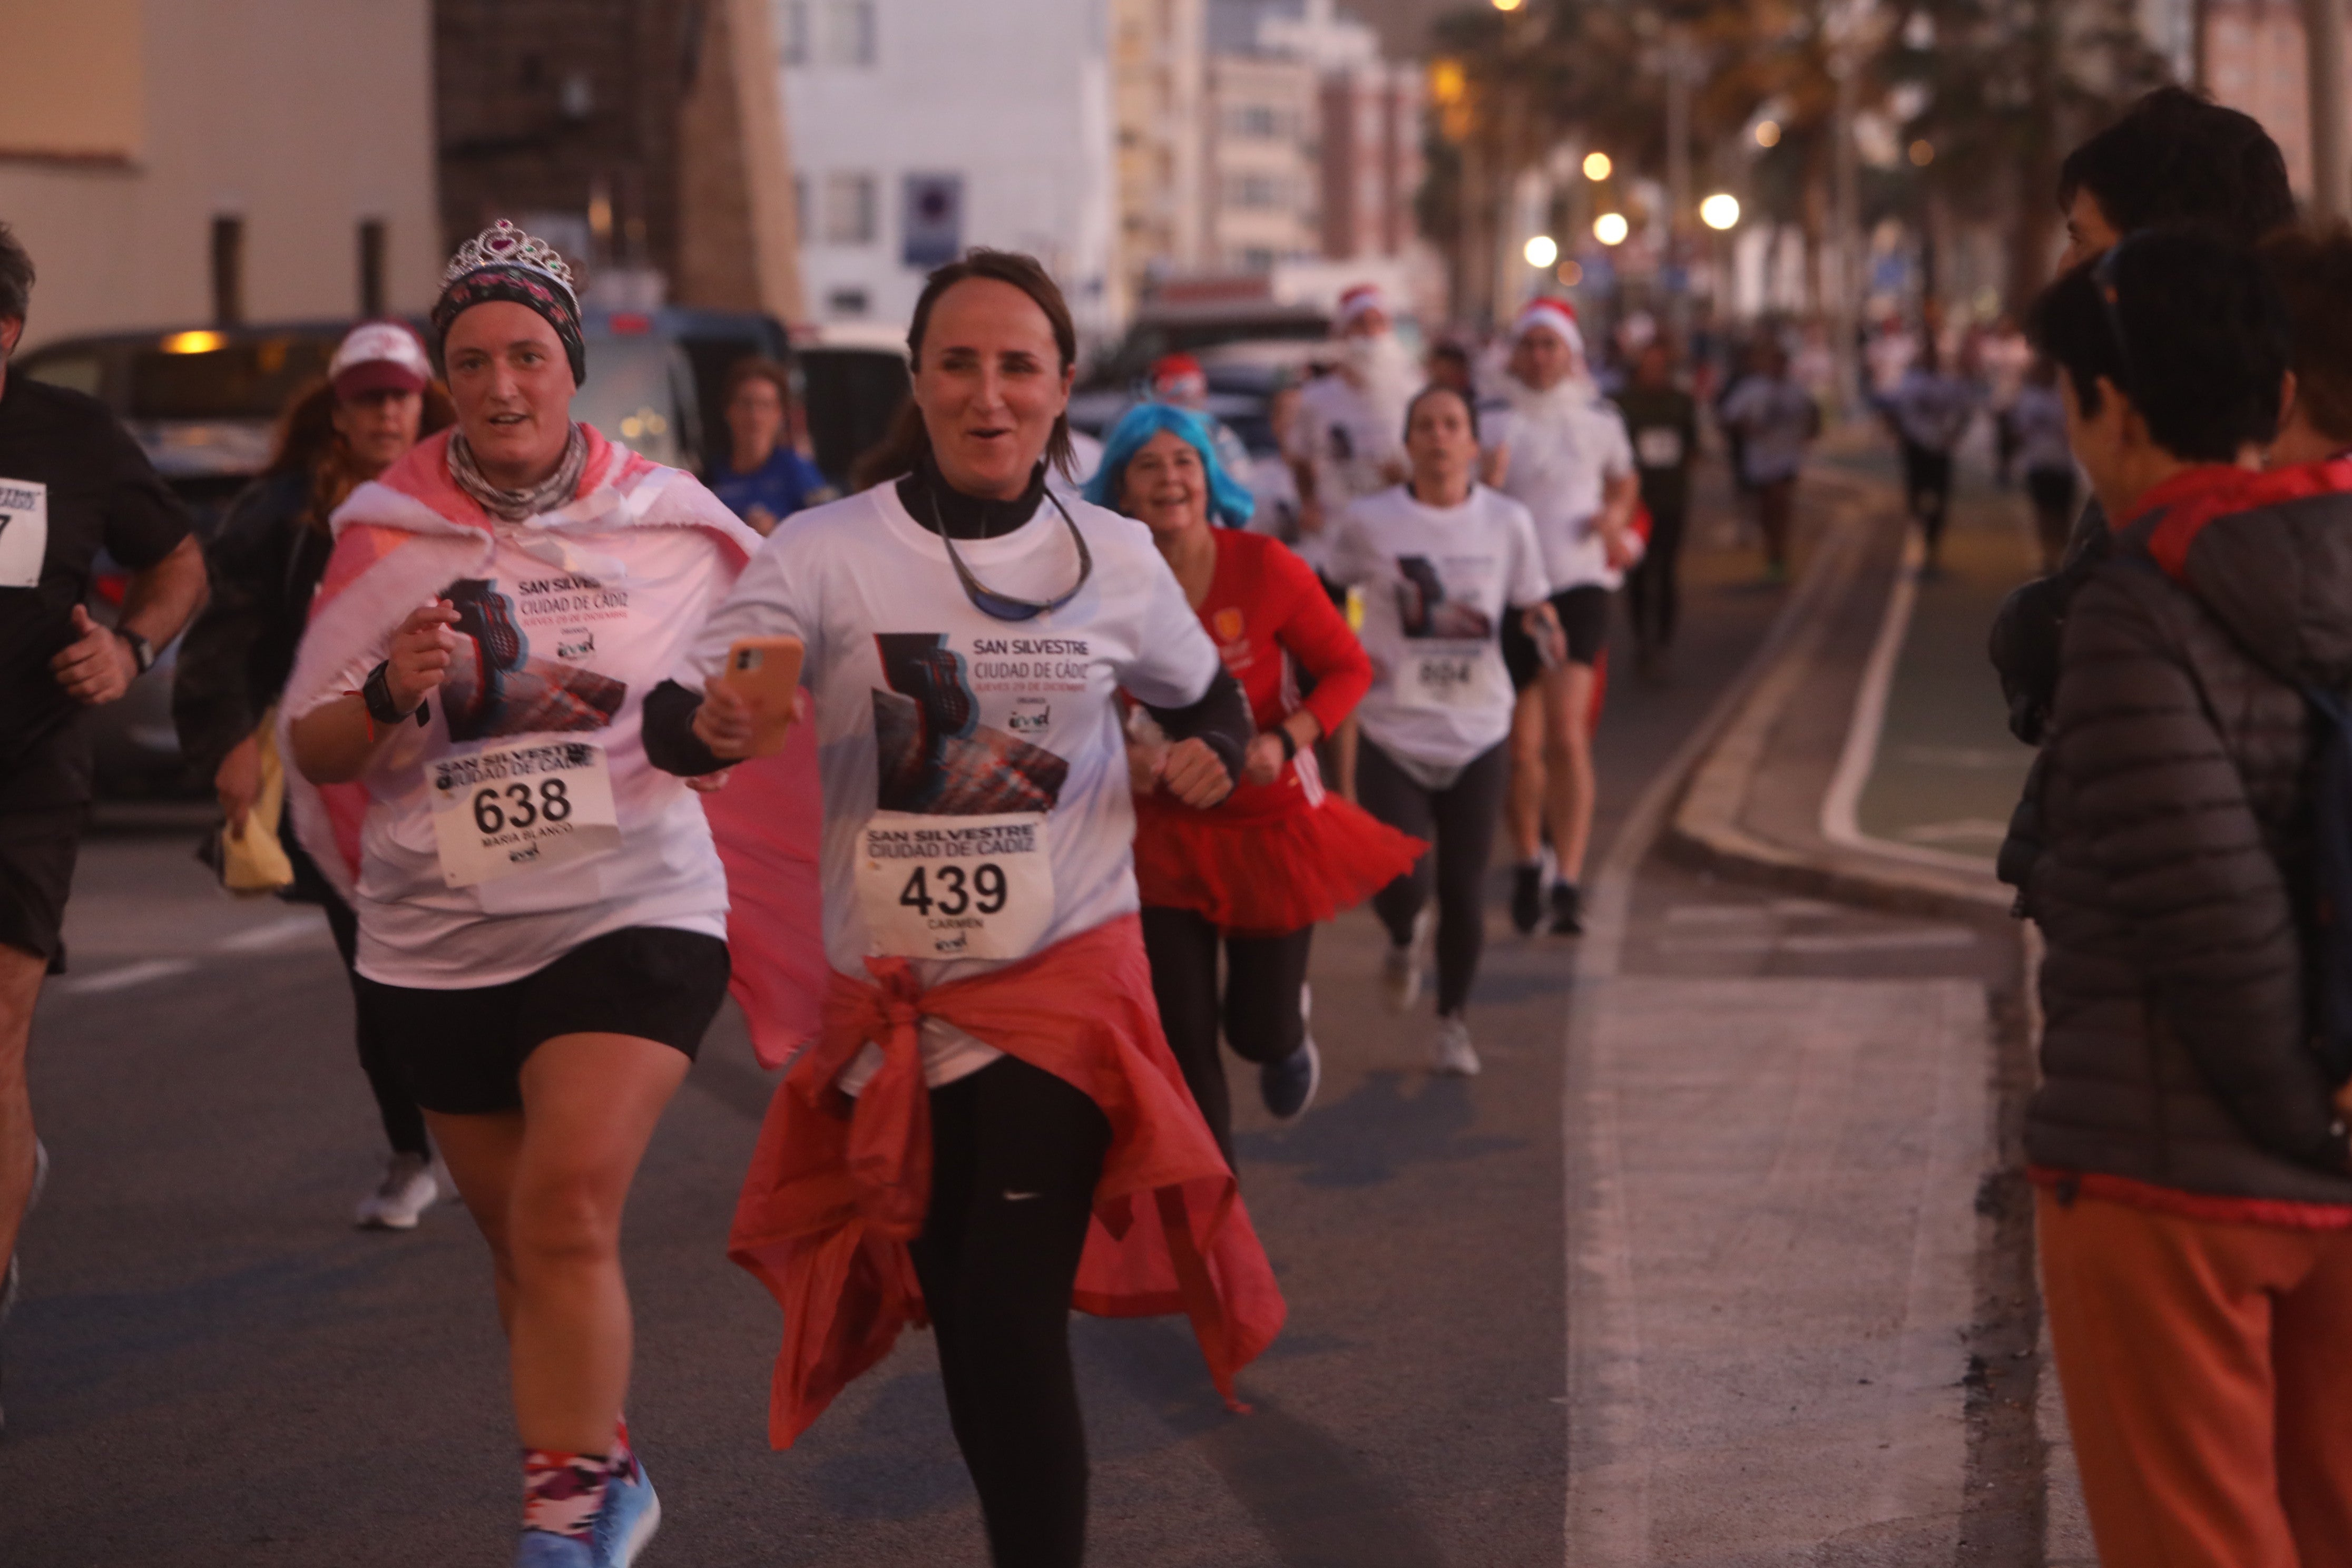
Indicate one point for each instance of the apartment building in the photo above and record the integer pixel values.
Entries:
(1264, 175)
(1159, 59)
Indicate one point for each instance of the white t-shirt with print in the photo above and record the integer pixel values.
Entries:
(1437, 583)
(939, 725)
(2038, 420)
(1775, 419)
(1348, 436)
(1565, 445)
(549, 660)
(1932, 409)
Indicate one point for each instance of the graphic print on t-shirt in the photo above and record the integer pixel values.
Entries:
(496, 686)
(1424, 611)
(24, 532)
(935, 757)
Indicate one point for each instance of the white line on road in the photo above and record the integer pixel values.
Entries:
(276, 933)
(1823, 946)
(128, 975)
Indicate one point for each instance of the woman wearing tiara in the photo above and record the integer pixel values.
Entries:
(541, 912)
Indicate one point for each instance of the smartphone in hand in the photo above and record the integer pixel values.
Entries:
(766, 673)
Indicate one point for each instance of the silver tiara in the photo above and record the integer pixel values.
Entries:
(503, 245)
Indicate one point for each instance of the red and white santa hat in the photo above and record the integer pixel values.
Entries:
(1178, 376)
(1555, 316)
(1358, 302)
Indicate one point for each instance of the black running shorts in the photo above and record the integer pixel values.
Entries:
(1583, 612)
(462, 1052)
(37, 848)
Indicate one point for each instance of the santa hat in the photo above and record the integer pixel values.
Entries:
(1555, 316)
(1178, 376)
(1359, 301)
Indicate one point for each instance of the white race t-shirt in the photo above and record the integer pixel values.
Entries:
(534, 756)
(1437, 583)
(2037, 419)
(1775, 419)
(1564, 445)
(1933, 410)
(976, 793)
(1349, 434)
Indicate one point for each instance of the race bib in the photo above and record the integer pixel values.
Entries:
(1459, 676)
(24, 532)
(509, 809)
(955, 886)
(1659, 446)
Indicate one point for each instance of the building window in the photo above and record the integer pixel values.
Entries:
(372, 246)
(847, 213)
(826, 32)
(228, 271)
(1256, 191)
(846, 302)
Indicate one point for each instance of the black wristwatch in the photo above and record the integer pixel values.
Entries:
(143, 652)
(377, 694)
(1289, 742)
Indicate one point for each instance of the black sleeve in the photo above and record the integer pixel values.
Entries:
(214, 702)
(1220, 720)
(144, 522)
(671, 743)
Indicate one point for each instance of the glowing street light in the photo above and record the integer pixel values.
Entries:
(1611, 228)
(1541, 251)
(1922, 153)
(1597, 166)
(1508, 5)
(1719, 211)
(1768, 134)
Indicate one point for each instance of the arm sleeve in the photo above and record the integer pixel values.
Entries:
(1220, 720)
(213, 699)
(1315, 635)
(2158, 803)
(670, 741)
(144, 522)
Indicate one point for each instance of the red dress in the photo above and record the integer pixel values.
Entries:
(1284, 856)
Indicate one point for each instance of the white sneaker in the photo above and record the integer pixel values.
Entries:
(1401, 971)
(406, 1191)
(1451, 1052)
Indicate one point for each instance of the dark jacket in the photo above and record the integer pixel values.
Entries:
(2174, 806)
(265, 566)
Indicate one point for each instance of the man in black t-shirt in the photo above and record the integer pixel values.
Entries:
(72, 483)
(1662, 420)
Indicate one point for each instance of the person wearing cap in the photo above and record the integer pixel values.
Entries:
(1347, 440)
(1178, 380)
(1559, 448)
(377, 399)
(542, 914)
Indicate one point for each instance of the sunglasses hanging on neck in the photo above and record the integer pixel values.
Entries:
(1004, 606)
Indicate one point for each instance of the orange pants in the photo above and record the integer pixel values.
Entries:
(2208, 1373)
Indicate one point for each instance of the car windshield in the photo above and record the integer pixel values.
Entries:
(195, 375)
(632, 395)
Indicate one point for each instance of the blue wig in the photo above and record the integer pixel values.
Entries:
(1230, 502)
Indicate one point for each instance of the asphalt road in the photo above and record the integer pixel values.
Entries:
(210, 1366)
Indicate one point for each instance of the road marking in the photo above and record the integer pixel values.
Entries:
(1958, 757)
(1963, 830)
(279, 933)
(128, 975)
(1824, 946)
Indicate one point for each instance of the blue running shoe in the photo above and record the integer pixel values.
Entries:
(542, 1548)
(627, 1520)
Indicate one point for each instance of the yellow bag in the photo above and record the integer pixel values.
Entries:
(253, 863)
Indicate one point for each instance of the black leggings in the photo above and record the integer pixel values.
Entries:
(1651, 590)
(403, 1125)
(1459, 822)
(1015, 1155)
(1928, 489)
(1264, 977)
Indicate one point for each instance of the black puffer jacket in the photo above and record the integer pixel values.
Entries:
(2174, 816)
(265, 566)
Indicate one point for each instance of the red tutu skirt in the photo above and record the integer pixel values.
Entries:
(1280, 871)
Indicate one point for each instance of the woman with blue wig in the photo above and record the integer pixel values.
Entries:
(1254, 875)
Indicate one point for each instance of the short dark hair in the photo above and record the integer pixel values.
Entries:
(1439, 389)
(2178, 160)
(2312, 270)
(2193, 332)
(15, 275)
(757, 367)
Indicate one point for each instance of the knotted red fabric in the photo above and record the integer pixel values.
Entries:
(836, 1188)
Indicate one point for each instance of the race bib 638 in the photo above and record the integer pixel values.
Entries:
(511, 810)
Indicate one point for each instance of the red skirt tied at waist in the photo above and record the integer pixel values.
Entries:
(837, 1188)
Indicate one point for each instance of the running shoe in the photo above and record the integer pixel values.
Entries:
(627, 1520)
(1289, 1086)
(1526, 896)
(1400, 970)
(1450, 1053)
(1567, 909)
(406, 1191)
(544, 1549)
(12, 1279)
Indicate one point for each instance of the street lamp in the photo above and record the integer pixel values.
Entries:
(1597, 166)
(1541, 251)
(1611, 228)
(1508, 5)
(1719, 211)
(1768, 134)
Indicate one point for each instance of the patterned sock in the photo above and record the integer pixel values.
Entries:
(561, 1493)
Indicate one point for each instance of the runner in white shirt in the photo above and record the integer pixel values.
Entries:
(1444, 564)
(1776, 420)
(2037, 425)
(542, 914)
(966, 633)
(1559, 448)
(1345, 441)
(1930, 410)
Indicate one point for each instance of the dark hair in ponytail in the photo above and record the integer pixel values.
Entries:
(908, 440)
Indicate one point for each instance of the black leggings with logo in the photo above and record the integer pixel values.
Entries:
(1015, 1155)
(1459, 821)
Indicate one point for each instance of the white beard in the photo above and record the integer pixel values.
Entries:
(1381, 368)
(1549, 405)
